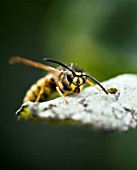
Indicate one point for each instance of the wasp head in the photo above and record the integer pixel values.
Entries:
(76, 80)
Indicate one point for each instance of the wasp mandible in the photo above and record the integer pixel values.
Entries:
(64, 80)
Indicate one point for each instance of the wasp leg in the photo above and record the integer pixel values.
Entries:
(92, 84)
(61, 94)
(41, 91)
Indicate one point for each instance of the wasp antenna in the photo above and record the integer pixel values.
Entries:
(96, 81)
(59, 63)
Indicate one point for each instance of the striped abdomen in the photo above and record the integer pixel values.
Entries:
(49, 83)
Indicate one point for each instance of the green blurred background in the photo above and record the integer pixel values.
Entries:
(99, 36)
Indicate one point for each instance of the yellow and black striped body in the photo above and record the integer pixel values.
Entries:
(49, 82)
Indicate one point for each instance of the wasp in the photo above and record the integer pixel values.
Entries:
(64, 80)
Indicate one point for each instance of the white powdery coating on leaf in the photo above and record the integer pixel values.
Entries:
(92, 107)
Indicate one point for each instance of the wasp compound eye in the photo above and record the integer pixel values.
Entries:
(84, 79)
(70, 78)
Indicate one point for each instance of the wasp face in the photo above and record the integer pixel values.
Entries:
(76, 81)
